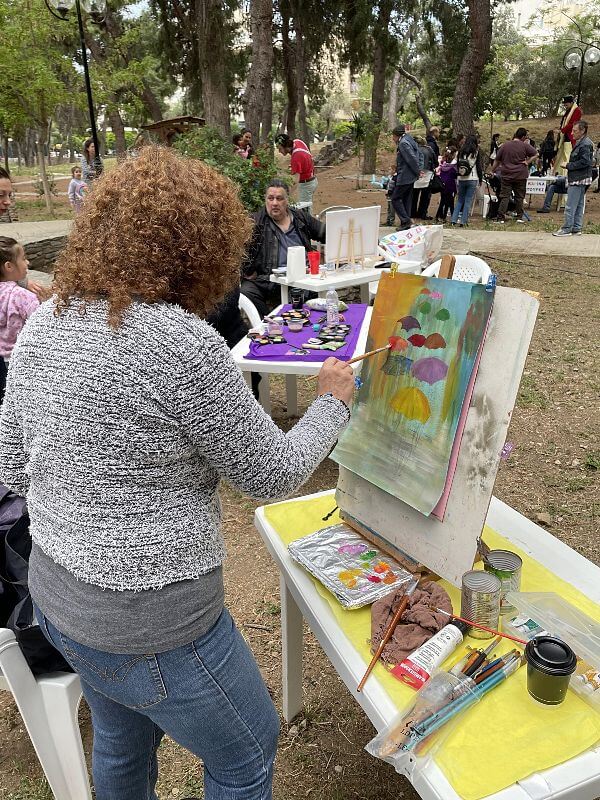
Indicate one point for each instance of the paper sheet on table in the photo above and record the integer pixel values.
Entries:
(507, 736)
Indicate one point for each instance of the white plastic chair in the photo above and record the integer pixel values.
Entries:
(471, 269)
(48, 706)
(247, 306)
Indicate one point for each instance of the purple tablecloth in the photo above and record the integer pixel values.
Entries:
(354, 317)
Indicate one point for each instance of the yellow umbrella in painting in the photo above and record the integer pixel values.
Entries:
(411, 403)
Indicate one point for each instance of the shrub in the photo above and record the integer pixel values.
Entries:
(250, 175)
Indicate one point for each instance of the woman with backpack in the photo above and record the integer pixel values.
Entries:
(470, 175)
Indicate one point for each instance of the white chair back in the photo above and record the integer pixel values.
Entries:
(247, 306)
(48, 706)
(470, 269)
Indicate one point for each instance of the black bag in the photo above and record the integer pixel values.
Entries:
(436, 185)
(16, 606)
(464, 167)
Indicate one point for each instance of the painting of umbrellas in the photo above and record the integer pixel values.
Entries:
(407, 411)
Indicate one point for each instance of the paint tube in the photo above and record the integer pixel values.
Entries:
(416, 669)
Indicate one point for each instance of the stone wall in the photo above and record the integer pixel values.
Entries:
(43, 254)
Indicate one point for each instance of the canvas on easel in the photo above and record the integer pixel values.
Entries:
(409, 405)
(449, 547)
(352, 235)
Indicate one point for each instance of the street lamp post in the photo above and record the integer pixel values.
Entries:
(97, 12)
(577, 57)
(580, 54)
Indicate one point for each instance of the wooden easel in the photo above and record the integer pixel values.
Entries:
(350, 233)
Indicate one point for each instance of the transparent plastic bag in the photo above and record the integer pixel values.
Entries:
(413, 734)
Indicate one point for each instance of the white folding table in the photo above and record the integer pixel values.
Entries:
(577, 779)
(339, 279)
(291, 368)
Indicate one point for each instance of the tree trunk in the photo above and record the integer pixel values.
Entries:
(392, 109)
(150, 101)
(18, 146)
(5, 147)
(418, 96)
(471, 68)
(301, 76)
(289, 67)
(380, 54)
(261, 67)
(41, 160)
(267, 115)
(212, 59)
(118, 128)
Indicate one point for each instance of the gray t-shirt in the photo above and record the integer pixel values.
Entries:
(289, 238)
(150, 621)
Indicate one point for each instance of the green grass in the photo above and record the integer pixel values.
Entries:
(592, 460)
(30, 789)
(530, 396)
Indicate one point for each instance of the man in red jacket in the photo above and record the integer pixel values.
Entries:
(301, 166)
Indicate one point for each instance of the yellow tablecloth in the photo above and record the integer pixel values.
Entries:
(506, 736)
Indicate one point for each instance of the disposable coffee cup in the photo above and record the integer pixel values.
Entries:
(550, 664)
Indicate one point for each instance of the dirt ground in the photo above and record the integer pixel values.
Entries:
(552, 477)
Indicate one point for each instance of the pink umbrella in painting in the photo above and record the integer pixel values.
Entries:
(430, 370)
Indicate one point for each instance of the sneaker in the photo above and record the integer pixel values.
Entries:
(577, 233)
(498, 222)
(520, 221)
(543, 211)
(562, 233)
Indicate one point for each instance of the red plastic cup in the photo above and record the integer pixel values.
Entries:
(313, 261)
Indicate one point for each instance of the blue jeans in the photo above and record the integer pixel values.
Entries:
(574, 209)
(558, 187)
(464, 200)
(208, 696)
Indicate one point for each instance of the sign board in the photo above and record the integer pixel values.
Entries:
(537, 185)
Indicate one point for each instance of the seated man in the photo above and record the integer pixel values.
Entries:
(557, 186)
(276, 227)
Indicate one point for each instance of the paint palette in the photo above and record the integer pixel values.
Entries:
(355, 571)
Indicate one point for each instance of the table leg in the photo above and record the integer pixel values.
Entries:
(364, 293)
(291, 645)
(284, 294)
(291, 393)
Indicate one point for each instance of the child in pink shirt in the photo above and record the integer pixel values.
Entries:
(16, 304)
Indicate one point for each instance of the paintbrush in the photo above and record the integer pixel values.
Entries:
(387, 634)
(359, 358)
(481, 627)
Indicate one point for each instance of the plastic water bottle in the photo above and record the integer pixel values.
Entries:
(332, 304)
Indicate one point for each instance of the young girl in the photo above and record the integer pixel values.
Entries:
(77, 189)
(16, 304)
(448, 173)
(470, 175)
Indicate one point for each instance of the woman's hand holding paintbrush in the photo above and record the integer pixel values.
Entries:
(352, 360)
(336, 378)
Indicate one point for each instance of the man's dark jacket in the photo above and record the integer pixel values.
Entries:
(581, 160)
(262, 255)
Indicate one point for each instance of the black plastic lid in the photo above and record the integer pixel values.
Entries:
(551, 655)
(462, 626)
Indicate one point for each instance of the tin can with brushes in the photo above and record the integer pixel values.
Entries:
(480, 601)
(506, 566)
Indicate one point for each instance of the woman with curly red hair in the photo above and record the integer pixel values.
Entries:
(122, 412)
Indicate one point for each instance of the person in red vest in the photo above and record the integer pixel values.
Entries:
(301, 166)
(572, 115)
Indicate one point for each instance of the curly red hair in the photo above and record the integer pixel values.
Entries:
(158, 228)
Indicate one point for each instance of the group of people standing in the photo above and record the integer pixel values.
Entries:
(420, 170)
(458, 172)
